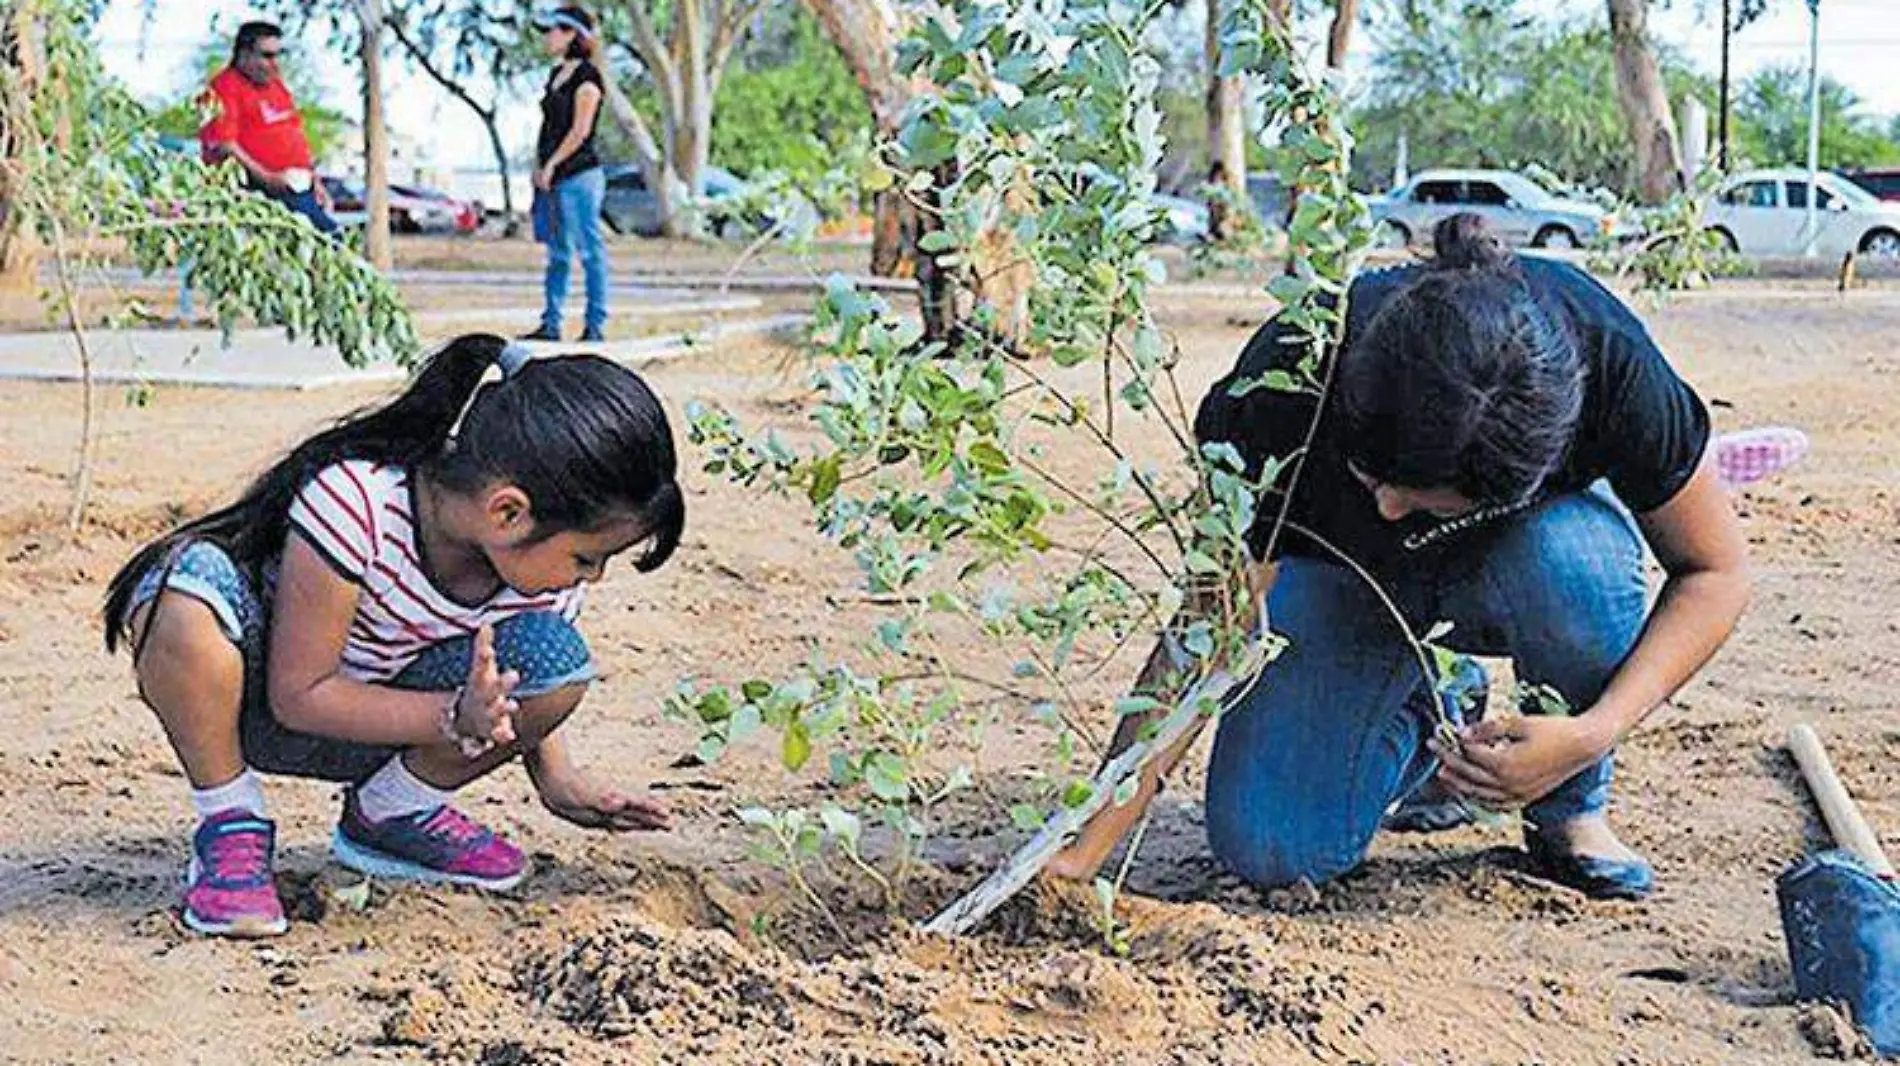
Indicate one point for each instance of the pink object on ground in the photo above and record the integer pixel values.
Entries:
(1753, 454)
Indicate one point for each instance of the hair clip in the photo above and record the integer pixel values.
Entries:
(514, 355)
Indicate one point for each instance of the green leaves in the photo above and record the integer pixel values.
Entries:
(986, 489)
(89, 169)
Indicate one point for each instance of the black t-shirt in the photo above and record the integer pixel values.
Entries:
(557, 118)
(1641, 427)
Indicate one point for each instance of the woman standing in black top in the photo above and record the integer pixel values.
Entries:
(568, 180)
(1501, 447)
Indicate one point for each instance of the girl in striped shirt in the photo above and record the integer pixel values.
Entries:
(392, 606)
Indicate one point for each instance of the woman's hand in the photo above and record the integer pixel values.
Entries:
(576, 799)
(1513, 760)
(544, 178)
(483, 715)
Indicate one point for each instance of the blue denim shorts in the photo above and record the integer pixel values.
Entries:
(544, 648)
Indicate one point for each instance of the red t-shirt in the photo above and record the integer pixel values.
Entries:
(262, 120)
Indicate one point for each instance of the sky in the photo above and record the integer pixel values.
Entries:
(1860, 47)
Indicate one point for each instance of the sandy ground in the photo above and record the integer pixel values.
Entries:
(675, 948)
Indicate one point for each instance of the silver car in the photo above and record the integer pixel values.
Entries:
(1518, 209)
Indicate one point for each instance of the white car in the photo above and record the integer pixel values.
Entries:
(1764, 212)
(1516, 208)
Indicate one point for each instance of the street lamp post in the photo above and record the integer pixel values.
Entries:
(1812, 224)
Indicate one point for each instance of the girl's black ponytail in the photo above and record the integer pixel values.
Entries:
(410, 430)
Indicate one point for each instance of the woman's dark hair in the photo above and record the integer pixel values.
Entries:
(1462, 379)
(249, 34)
(583, 437)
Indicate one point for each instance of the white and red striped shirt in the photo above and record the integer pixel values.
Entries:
(360, 516)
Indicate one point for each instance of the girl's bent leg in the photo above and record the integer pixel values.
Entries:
(413, 832)
(1332, 734)
(192, 677)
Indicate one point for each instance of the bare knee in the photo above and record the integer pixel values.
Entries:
(541, 715)
(182, 651)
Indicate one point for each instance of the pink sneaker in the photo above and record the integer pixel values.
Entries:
(440, 846)
(229, 890)
(1753, 454)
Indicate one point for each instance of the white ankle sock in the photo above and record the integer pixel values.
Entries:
(393, 792)
(242, 793)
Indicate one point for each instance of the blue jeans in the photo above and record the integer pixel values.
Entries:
(305, 203)
(1305, 768)
(577, 202)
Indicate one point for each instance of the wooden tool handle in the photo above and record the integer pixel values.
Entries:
(1837, 807)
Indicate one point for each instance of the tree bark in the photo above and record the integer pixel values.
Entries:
(1645, 103)
(865, 33)
(19, 252)
(686, 66)
(1226, 126)
(376, 247)
(1345, 13)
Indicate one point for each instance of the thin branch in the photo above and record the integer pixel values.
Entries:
(1082, 420)
(82, 475)
(427, 64)
(1101, 512)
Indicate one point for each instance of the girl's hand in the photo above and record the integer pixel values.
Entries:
(1513, 760)
(580, 802)
(484, 712)
(543, 178)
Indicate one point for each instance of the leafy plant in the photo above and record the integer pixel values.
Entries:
(1675, 251)
(932, 466)
(88, 177)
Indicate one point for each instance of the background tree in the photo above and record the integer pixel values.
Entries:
(376, 243)
(1772, 123)
(683, 49)
(89, 176)
(1339, 36)
(866, 33)
(1645, 101)
(1481, 84)
(789, 103)
(478, 51)
(1226, 113)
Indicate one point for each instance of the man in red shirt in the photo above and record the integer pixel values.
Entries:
(255, 122)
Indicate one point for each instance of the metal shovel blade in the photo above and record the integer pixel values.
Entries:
(1843, 930)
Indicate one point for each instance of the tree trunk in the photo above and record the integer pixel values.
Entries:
(19, 252)
(1345, 13)
(375, 139)
(865, 33)
(420, 56)
(511, 226)
(1226, 127)
(1645, 104)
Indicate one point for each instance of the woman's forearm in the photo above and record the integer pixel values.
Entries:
(1694, 616)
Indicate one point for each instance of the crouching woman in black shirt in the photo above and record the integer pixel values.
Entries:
(1501, 442)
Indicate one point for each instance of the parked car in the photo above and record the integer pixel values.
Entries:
(1765, 212)
(1270, 198)
(411, 210)
(465, 214)
(346, 201)
(1518, 209)
(1884, 184)
(1183, 221)
(630, 208)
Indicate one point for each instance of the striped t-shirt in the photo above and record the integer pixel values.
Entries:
(360, 516)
